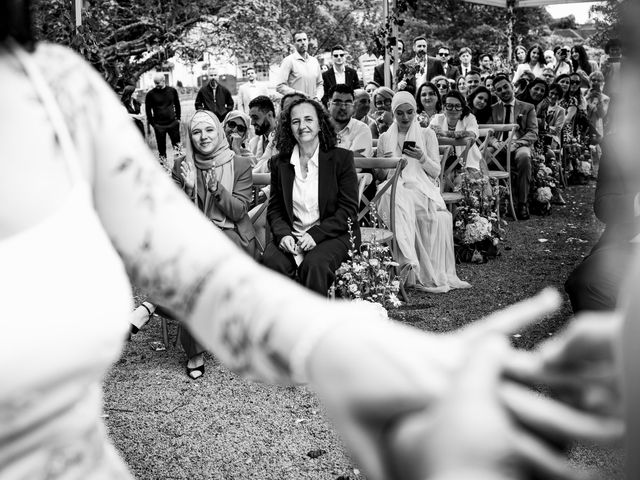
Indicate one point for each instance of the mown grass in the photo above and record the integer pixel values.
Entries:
(221, 427)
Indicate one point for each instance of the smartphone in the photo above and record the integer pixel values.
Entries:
(409, 144)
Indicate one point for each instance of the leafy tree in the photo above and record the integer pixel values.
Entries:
(564, 22)
(608, 18)
(122, 38)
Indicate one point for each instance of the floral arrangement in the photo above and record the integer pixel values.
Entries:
(576, 142)
(545, 175)
(368, 274)
(476, 229)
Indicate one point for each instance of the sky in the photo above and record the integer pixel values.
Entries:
(580, 10)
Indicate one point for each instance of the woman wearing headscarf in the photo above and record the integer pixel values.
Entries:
(133, 106)
(382, 104)
(237, 127)
(220, 183)
(424, 228)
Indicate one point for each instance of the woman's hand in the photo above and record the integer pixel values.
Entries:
(414, 152)
(212, 181)
(236, 143)
(306, 242)
(188, 174)
(437, 129)
(288, 244)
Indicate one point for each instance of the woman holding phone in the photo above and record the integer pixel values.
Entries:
(423, 224)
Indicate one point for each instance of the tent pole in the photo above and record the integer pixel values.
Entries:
(385, 18)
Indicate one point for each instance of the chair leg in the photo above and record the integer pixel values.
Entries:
(511, 204)
(178, 332)
(165, 331)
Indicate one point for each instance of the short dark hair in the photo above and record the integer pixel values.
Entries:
(418, 38)
(482, 55)
(499, 78)
(555, 87)
(472, 72)
(444, 47)
(289, 95)
(458, 95)
(285, 141)
(612, 43)
(337, 47)
(342, 88)
(250, 68)
(465, 50)
(263, 103)
(15, 22)
(298, 32)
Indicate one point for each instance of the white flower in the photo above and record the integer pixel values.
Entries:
(543, 194)
(353, 288)
(374, 262)
(584, 168)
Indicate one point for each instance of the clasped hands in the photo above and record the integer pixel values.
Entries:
(304, 243)
(413, 405)
(188, 174)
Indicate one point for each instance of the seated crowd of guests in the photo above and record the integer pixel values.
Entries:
(308, 148)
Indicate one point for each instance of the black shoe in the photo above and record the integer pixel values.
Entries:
(523, 212)
(195, 372)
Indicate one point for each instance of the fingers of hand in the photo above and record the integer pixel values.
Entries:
(516, 317)
(555, 420)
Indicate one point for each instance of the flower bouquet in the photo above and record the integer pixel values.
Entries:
(476, 229)
(578, 155)
(368, 274)
(544, 182)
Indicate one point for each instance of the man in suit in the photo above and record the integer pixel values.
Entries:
(339, 73)
(595, 283)
(510, 110)
(215, 98)
(465, 57)
(378, 72)
(424, 66)
(450, 71)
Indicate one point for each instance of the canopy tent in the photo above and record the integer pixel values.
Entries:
(511, 4)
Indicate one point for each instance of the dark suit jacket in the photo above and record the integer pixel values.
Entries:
(453, 72)
(337, 196)
(524, 115)
(378, 75)
(234, 204)
(434, 67)
(220, 104)
(329, 79)
(618, 184)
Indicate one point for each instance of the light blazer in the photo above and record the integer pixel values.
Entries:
(337, 196)
(235, 204)
(525, 116)
(329, 79)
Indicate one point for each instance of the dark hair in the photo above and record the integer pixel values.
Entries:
(485, 55)
(483, 115)
(541, 61)
(298, 32)
(432, 86)
(250, 68)
(488, 77)
(583, 60)
(473, 72)
(418, 38)
(371, 82)
(342, 88)
(515, 51)
(500, 77)
(337, 47)
(15, 22)
(578, 93)
(526, 95)
(285, 141)
(557, 88)
(444, 47)
(465, 50)
(456, 94)
(127, 93)
(521, 83)
(263, 103)
(289, 95)
(560, 77)
(612, 43)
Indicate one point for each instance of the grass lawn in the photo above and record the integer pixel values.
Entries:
(221, 427)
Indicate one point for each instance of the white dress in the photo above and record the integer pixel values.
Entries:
(424, 228)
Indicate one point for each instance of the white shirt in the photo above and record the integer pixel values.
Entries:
(262, 154)
(247, 92)
(300, 74)
(356, 135)
(306, 212)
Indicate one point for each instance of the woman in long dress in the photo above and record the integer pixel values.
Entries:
(424, 228)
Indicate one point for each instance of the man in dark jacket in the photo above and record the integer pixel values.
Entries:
(339, 73)
(162, 106)
(216, 98)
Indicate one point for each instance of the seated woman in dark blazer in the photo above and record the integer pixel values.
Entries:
(220, 183)
(314, 190)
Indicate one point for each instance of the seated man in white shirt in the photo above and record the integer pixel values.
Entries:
(263, 119)
(362, 106)
(352, 134)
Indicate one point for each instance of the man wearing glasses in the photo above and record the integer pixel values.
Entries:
(450, 71)
(339, 73)
(353, 134)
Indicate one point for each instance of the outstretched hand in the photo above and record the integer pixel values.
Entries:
(369, 374)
